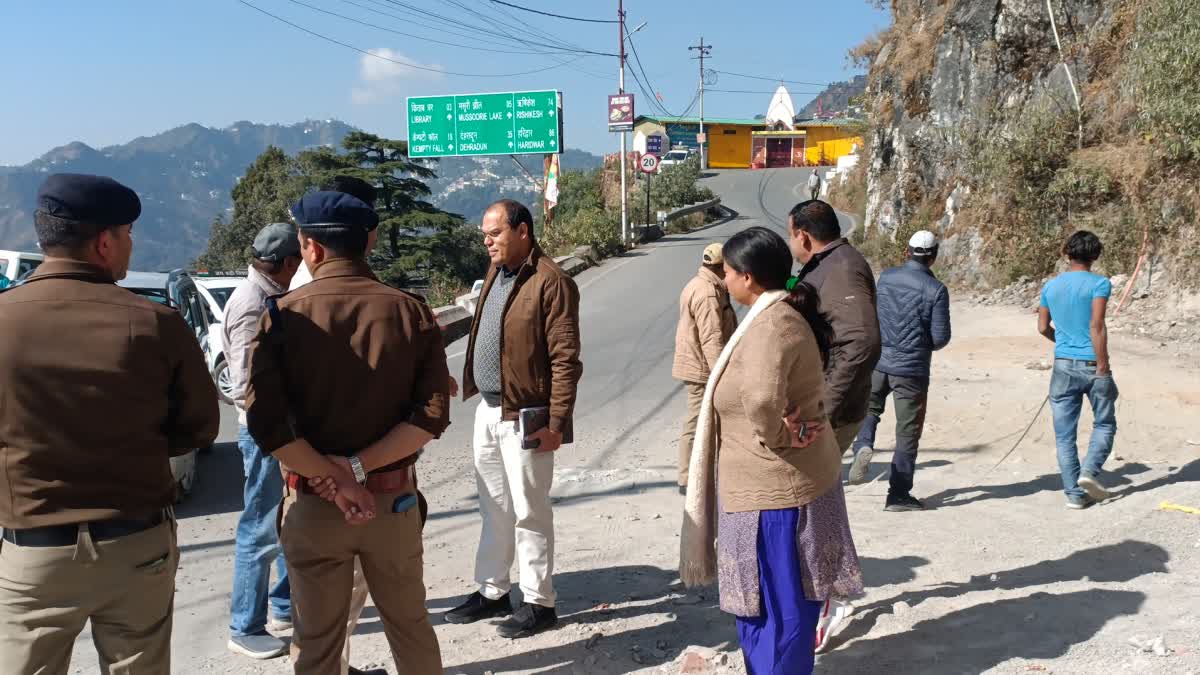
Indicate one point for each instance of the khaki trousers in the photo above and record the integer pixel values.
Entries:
(695, 398)
(321, 550)
(358, 599)
(125, 586)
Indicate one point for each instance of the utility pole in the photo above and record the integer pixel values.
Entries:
(704, 51)
(621, 90)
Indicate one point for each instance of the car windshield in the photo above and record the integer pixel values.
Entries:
(676, 155)
(221, 295)
(158, 295)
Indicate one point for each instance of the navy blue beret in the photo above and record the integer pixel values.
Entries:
(96, 200)
(333, 209)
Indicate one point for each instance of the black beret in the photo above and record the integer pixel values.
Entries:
(316, 210)
(96, 200)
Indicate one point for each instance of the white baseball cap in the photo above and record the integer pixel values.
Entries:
(923, 241)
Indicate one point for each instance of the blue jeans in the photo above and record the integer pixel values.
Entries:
(1071, 381)
(258, 545)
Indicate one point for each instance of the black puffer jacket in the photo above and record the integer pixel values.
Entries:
(914, 319)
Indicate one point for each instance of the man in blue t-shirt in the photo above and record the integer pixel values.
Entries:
(1075, 302)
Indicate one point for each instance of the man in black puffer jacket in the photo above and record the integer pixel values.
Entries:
(914, 322)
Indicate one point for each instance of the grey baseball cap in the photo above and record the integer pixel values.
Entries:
(277, 241)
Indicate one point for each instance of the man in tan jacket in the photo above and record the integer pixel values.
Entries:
(706, 320)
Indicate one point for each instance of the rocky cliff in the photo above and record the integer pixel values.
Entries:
(977, 134)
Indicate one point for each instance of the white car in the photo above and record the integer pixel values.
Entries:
(672, 158)
(177, 289)
(215, 289)
(17, 265)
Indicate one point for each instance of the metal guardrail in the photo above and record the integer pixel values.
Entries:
(688, 210)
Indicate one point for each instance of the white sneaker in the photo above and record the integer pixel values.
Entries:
(833, 617)
(1093, 488)
(861, 465)
(275, 625)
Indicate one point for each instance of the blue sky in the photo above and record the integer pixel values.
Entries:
(108, 72)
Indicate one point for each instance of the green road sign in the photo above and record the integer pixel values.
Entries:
(514, 123)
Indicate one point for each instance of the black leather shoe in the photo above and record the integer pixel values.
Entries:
(374, 671)
(527, 621)
(903, 503)
(478, 607)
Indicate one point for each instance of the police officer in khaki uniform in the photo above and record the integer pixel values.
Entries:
(348, 381)
(98, 389)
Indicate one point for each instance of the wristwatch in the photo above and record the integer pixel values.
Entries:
(356, 466)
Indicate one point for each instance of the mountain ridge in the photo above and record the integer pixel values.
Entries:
(184, 176)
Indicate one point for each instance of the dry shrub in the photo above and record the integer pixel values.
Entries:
(916, 38)
(849, 192)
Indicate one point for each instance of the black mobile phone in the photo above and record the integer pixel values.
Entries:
(404, 503)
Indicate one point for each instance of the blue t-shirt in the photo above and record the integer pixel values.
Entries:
(1069, 298)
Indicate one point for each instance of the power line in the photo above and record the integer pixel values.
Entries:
(746, 91)
(419, 37)
(638, 59)
(486, 31)
(774, 79)
(556, 16)
(505, 18)
(526, 28)
(395, 61)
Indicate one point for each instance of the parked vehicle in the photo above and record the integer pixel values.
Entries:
(17, 265)
(672, 158)
(177, 289)
(215, 289)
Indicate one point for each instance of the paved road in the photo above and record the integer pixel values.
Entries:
(626, 425)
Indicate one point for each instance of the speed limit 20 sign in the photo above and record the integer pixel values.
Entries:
(649, 163)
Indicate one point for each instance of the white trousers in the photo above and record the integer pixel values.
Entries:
(514, 503)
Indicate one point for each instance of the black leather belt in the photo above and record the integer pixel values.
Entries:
(67, 535)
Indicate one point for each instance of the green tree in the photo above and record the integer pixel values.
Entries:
(418, 242)
(262, 196)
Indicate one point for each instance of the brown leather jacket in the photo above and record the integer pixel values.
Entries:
(846, 286)
(98, 389)
(539, 351)
(706, 320)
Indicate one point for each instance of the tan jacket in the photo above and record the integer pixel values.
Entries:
(773, 371)
(539, 351)
(348, 360)
(98, 388)
(706, 320)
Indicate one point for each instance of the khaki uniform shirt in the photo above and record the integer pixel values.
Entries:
(348, 359)
(98, 388)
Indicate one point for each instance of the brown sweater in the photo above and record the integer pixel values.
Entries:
(774, 370)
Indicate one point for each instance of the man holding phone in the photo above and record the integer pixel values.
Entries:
(523, 358)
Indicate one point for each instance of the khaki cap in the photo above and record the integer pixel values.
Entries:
(712, 255)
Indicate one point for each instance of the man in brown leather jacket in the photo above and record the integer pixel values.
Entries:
(846, 286)
(706, 320)
(98, 389)
(523, 354)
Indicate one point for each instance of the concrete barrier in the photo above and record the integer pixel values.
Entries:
(468, 302)
(454, 321)
(571, 265)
